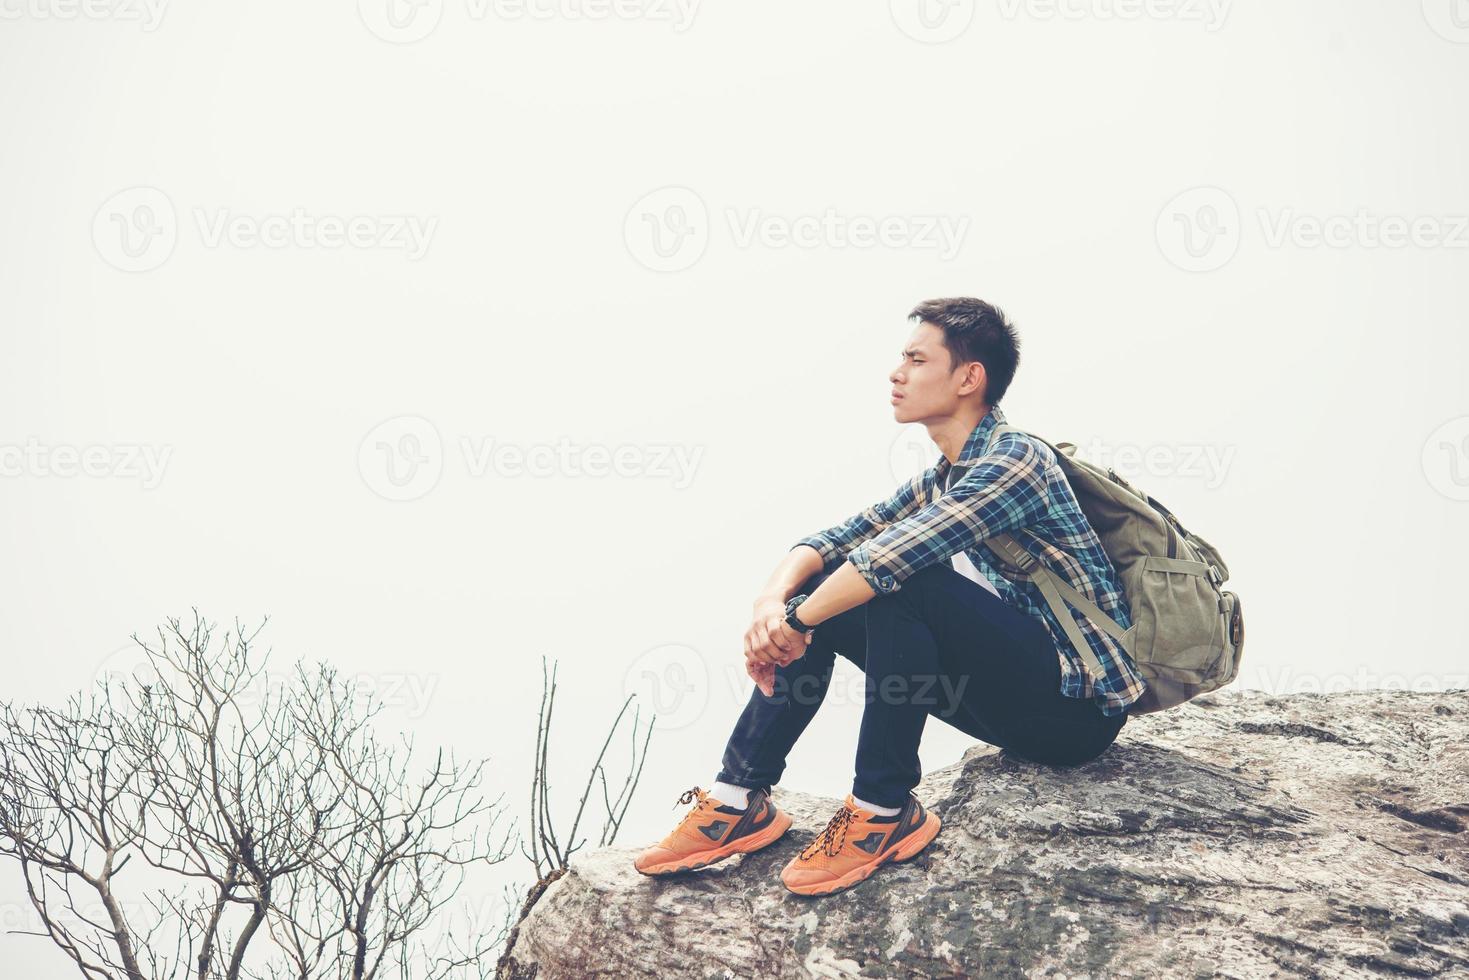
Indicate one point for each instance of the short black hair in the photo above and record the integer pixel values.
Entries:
(975, 331)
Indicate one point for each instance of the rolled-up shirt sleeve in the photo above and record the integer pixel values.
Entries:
(834, 542)
(1004, 490)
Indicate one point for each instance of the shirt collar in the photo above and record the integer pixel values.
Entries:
(974, 446)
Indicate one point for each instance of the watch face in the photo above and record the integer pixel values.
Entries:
(791, 614)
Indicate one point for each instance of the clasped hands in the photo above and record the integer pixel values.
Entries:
(771, 643)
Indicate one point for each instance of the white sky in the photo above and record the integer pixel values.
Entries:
(1138, 192)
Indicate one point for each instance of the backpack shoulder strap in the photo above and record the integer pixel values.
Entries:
(1057, 593)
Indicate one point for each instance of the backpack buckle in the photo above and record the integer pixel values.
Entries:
(1215, 576)
(1024, 560)
(1011, 552)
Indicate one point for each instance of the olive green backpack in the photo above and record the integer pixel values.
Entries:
(1188, 632)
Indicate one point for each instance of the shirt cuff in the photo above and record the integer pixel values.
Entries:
(881, 582)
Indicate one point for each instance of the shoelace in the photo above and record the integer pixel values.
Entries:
(836, 830)
(689, 795)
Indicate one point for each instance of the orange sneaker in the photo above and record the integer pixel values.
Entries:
(855, 843)
(711, 832)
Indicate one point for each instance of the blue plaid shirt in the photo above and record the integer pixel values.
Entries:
(1016, 487)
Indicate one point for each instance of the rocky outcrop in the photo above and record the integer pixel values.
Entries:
(1239, 835)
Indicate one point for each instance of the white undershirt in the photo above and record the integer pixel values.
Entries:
(961, 561)
(965, 567)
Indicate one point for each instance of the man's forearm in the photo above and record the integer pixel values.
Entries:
(843, 589)
(799, 564)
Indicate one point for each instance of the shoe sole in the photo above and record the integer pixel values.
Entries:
(745, 845)
(905, 851)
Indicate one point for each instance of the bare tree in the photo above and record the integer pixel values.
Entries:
(235, 797)
(408, 846)
(547, 854)
(68, 795)
(273, 834)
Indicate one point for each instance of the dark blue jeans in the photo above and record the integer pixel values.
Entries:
(940, 645)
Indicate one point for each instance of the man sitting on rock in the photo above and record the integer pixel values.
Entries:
(908, 591)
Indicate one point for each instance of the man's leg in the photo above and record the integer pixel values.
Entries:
(770, 726)
(943, 645)
(997, 679)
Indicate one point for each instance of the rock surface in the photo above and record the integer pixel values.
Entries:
(1239, 835)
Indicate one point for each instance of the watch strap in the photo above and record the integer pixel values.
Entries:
(792, 620)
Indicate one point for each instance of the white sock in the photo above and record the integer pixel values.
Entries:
(731, 795)
(881, 811)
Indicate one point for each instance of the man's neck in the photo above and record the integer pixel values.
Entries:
(952, 433)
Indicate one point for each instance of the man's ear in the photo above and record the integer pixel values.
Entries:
(975, 378)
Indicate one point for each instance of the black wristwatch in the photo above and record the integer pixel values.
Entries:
(791, 619)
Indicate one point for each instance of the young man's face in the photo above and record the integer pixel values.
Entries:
(923, 385)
